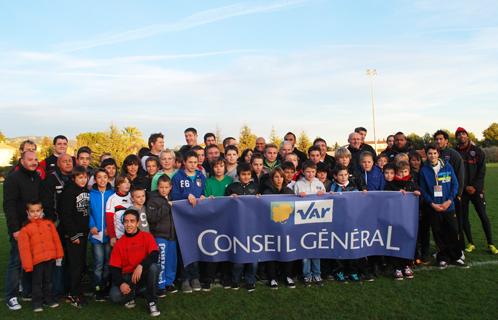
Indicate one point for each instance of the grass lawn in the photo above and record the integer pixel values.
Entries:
(433, 294)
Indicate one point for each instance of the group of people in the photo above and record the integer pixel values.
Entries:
(56, 206)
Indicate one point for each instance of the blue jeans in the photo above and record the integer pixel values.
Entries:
(15, 274)
(311, 268)
(167, 262)
(101, 254)
(249, 272)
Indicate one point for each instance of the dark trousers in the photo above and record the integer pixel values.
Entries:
(15, 274)
(424, 234)
(459, 216)
(272, 272)
(148, 280)
(445, 228)
(42, 283)
(189, 272)
(479, 203)
(76, 255)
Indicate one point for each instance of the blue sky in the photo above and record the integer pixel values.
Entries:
(69, 67)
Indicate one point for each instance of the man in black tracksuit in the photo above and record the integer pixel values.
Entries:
(20, 187)
(475, 171)
(401, 145)
(53, 185)
(74, 207)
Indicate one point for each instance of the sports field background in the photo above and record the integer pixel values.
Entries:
(433, 294)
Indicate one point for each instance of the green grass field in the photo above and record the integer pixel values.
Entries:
(433, 294)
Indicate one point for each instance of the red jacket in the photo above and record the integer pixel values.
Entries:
(130, 251)
(38, 242)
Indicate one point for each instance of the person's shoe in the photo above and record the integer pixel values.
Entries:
(250, 287)
(37, 309)
(130, 304)
(290, 283)
(235, 286)
(318, 281)
(460, 263)
(443, 264)
(26, 298)
(368, 277)
(154, 310)
(53, 304)
(273, 284)
(161, 293)
(307, 282)
(408, 272)
(99, 295)
(196, 285)
(398, 275)
(492, 249)
(226, 284)
(354, 277)
(340, 277)
(186, 288)
(206, 287)
(470, 247)
(171, 289)
(75, 302)
(13, 304)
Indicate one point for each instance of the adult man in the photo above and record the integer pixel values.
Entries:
(324, 157)
(365, 147)
(354, 147)
(21, 187)
(28, 145)
(285, 149)
(441, 140)
(229, 141)
(401, 145)
(156, 143)
(54, 184)
(291, 137)
(209, 139)
(49, 164)
(133, 265)
(190, 139)
(473, 191)
(260, 145)
(212, 153)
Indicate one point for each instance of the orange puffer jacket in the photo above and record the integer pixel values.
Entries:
(38, 242)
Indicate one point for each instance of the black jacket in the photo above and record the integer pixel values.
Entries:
(50, 192)
(474, 166)
(392, 152)
(398, 185)
(455, 159)
(242, 190)
(272, 190)
(20, 187)
(74, 207)
(159, 216)
(355, 177)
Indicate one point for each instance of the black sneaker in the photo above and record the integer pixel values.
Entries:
(99, 296)
(171, 289)
(273, 284)
(226, 284)
(368, 277)
(250, 287)
(235, 286)
(161, 293)
(290, 283)
(206, 287)
(461, 263)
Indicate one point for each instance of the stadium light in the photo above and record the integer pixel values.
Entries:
(371, 73)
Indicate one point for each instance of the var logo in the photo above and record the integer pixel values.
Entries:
(318, 211)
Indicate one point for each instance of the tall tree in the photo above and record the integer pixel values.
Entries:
(274, 138)
(247, 139)
(303, 142)
(491, 135)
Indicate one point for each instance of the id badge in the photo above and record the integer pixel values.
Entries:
(438, 191)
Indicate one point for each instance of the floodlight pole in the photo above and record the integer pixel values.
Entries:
(371, 73)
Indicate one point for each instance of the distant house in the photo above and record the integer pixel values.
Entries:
(6, 154)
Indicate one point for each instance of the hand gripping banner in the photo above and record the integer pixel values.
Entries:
(286, 227)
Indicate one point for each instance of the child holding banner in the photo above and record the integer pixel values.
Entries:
(278, 187)
(216, 186)
(188, 184)
(245, 186)
(309, 184)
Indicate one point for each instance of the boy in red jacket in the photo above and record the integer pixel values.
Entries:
(39, 247)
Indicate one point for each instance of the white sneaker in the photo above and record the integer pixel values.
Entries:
(273, 284)
(154, 311)
(460, 263)
(443, 264)
(13, 304)
(130, 304)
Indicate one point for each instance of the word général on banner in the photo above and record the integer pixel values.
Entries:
(286, 227)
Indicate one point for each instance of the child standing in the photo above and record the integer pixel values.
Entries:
(245, 186)
(99, 194)
(231, 155)
(39, 247)
(309, 184)
(115, 208)
(75, 202)
(162, 228)
(189, 184)
(371, 174)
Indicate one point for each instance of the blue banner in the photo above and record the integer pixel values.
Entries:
(286, 227)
